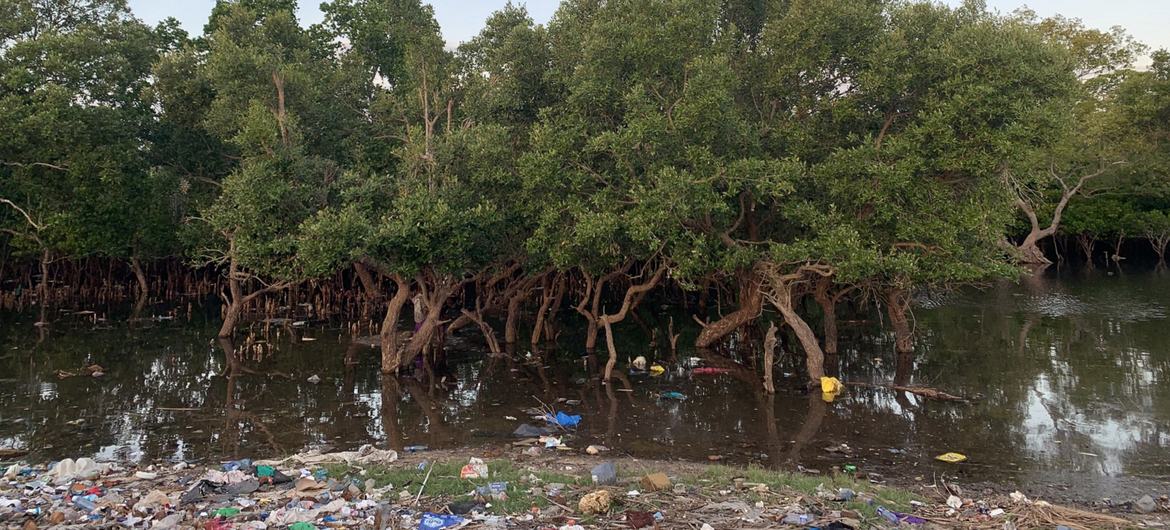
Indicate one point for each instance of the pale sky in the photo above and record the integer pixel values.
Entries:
(1147, 20)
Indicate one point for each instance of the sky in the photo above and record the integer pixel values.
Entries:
(1147, 20)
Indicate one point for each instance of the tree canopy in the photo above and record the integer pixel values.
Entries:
(780, 148)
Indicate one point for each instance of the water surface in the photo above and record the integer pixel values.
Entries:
(1070, 372)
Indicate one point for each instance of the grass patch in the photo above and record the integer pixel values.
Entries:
(446, 486)
(446, 483)
(892, 498)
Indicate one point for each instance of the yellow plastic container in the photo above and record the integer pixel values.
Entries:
(951, 458)
(831, 385)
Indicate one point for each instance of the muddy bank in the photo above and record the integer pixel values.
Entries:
(503, 486)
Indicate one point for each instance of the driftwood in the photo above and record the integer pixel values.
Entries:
(927, 392)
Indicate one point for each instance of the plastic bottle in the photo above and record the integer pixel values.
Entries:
(800, 519)
(86, 502)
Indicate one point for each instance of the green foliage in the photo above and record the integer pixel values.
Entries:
(886, 142)
(76, 129)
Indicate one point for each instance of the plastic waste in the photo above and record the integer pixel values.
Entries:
(227, 512)
(710, 371)
(679, 396)
(69, 470)
(496, 491)
(639, 363)
(236, 465)
(657, 370)
(951, 458)
(301, 525)
(604, 473)
(87, 503)
(564, 420)
(475, 468)
(314, 379)
(897, 518)
(434, 521)
(800, 519)
(639, 519)
(596, 449)
(466, 507)
(415, 448)
(831, 385)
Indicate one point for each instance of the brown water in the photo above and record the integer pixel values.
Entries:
(1072, 373)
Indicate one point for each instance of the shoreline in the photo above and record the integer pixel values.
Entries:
(523, 488)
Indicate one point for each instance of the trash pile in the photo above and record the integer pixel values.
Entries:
(572, 492)
(295, 492)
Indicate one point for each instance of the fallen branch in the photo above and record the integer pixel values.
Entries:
(927, 392)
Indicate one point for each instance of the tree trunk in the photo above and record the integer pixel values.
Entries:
(1029, 250)
(391, 354)
(1159, 243)
(239, 299)
(590, 305)
(634, 294)
(781, 298)
(769, 358)
(489, 334)
(1030, 253)
(751, 302)
(898, 307)
(43, 287)
(140, 275)
(369, 286)
(546, 298)
(1086, 242)
(435, 299)
(828, 305)
(512, 322)
(550, 329)
(232, 316)
(814, 360)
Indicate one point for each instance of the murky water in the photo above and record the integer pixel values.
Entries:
(1072, 374)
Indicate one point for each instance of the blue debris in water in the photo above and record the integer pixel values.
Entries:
(673, 395)
(564, 420)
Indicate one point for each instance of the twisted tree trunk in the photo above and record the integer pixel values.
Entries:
(391, 354)
(751, 303)
(828, 304)
(590, 305)
(634, 295)
(769, 358)
(898, 308)
(434, 297)
(780, 294)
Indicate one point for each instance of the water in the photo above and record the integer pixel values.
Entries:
(1071, 374)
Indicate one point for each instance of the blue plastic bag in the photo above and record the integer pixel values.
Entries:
(434, 521)
(565, 420)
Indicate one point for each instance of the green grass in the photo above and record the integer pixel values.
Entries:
(444, 482)
(445, 485)
(892, 498)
